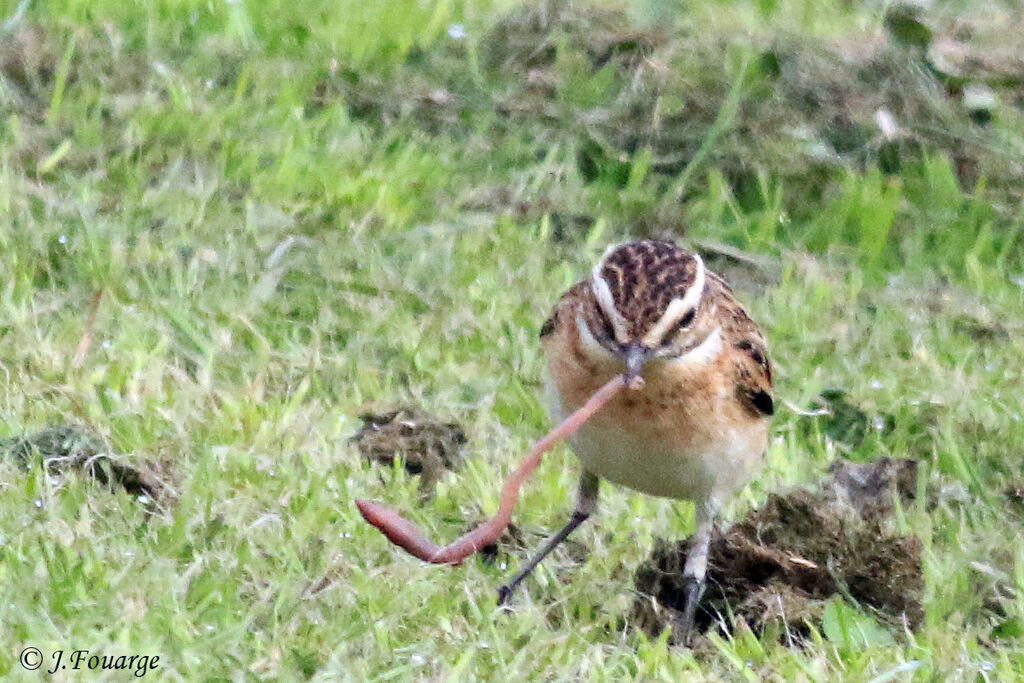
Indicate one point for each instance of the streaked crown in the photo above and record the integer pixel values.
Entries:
(647, 288)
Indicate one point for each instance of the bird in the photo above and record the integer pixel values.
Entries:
(697, 430)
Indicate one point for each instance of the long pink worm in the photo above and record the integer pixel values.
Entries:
(404, 533)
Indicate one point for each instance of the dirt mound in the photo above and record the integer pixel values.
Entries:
(425, 444)
(785, 560)
(65, 449)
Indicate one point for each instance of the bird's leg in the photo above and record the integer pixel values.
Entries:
(696, 567)
(586, 503)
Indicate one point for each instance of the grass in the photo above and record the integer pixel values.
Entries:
(292, 212)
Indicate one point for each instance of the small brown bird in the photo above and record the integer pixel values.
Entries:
(698, 428)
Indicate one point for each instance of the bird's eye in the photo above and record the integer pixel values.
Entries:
(686, 320)
(670, 338)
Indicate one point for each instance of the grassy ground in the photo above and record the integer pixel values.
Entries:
(293, 210)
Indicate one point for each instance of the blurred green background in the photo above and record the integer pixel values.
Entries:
(227, 228)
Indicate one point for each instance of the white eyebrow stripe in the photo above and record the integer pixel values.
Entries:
(703, 353)
(678, 308)
(587, 339)
(603, 294)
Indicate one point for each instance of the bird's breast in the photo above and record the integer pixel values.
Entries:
(681, 436)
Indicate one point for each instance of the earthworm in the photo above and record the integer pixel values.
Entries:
(404, 533)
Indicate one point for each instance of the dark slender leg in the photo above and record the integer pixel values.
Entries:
(693, 590)
(586, 503)
(696, 568)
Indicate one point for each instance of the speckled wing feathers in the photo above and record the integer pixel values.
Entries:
(750, 366)
(579, 298)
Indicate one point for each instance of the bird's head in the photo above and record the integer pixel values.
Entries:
(648, 297)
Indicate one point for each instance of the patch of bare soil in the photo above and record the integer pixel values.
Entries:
(66, 449)
(1014, 494)
(425, 444)
(28, 63)
(782, 562)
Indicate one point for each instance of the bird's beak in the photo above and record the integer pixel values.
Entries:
(635, 354)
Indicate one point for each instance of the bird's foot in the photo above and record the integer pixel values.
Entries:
(693, 590)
